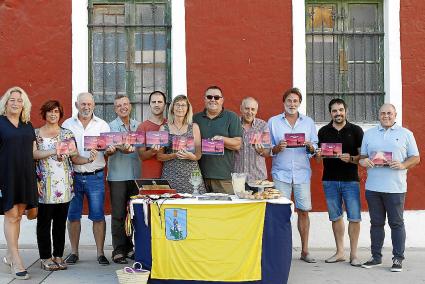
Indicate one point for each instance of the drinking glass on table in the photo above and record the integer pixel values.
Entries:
(195, 181)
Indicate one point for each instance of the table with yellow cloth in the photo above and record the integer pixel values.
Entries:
(186, 241)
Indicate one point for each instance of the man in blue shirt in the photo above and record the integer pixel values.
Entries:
(123, 169)
(291, 166)
(388, 151)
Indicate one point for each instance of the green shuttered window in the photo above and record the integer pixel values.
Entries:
(129, 53)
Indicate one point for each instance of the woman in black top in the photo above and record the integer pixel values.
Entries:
(18, 186)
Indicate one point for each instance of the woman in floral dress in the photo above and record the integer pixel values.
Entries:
(179, 165)
(55, 183)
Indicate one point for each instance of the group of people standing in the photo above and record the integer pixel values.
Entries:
(385, 186)
(57, 184)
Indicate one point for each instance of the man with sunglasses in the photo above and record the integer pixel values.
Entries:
(217, 123)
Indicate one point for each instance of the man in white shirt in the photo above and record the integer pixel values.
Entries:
(89, 179)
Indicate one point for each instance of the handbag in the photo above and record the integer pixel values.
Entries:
(135, 274)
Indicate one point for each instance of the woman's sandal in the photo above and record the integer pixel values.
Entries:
(6, 260)
(20, 275)
(49, 265)
(62, 265)
(119, 258)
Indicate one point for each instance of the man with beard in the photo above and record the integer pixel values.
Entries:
(152, 168)
(386, 185)
(291, 166)
(123, 169)
(341, 179)
(217, 123)
(89, 179)
(250, 159)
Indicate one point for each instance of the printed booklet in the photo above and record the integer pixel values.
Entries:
(66, 147)
(134, 138)
(381, 158)
(295, 140)
(212, 147)
(94, 142)
(331, 150)
(156, 138)
(183, 143)
(257, 137)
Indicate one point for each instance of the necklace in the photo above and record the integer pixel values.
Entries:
(178, 128)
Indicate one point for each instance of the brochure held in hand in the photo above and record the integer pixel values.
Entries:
(263, 138)
(94, 142)
(212, 147)
(331, 150)
(66, 147)
(295, 140)
(181, 143)
(156, 138)
(381, 158)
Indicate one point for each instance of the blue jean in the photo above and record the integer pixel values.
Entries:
(93, 187)
(380, 205)
(343, 192)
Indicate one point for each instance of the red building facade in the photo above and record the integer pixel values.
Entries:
(245, 47)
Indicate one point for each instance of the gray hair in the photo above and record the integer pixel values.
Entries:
(246, 99)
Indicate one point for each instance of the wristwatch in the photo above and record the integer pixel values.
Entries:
(352, 159)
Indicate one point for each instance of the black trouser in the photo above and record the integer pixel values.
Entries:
(48, 213)
(120, 195)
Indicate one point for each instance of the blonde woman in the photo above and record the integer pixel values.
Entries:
(18, 184)
(179, 165)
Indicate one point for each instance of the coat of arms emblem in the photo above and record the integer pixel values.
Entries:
(175, 224)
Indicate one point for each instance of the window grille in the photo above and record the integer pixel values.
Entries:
(345, 58)
(129, 51)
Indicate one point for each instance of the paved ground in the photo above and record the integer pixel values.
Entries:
(343, 272)
(88, 271)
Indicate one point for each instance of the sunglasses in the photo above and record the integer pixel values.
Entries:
(213, 97)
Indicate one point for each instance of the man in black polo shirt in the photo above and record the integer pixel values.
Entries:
(217, 123)
(341, 179)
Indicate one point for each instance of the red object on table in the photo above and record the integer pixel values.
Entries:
(156, 191)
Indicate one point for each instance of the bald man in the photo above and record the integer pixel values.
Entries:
(249, 158)
(386, 183)
(89, 179)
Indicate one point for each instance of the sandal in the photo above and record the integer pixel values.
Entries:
(20, 275)
(49, 265)
(119, 258)
(71, 259)
(60, 263)
(6, 261)
(130, 255)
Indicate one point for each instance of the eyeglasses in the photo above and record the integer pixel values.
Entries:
(180, 105)
(215, 97)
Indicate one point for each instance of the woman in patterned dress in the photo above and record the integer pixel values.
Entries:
(179, 165)
(55, 183)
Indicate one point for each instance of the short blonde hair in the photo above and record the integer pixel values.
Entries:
(189, 114)
(26, 109)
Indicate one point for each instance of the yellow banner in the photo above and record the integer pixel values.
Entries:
(214, 242)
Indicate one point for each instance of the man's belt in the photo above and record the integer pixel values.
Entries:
(89, 173)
